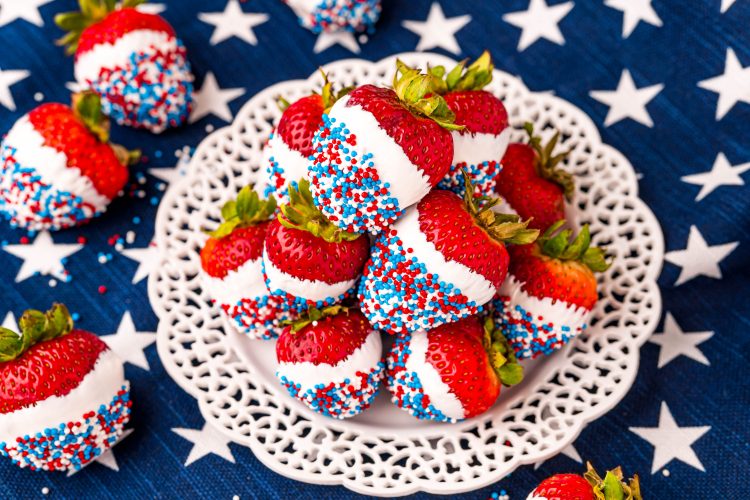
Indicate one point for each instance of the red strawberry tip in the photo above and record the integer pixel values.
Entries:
(504, 228)
(416, 90)
(546, 164)
(36, 326)
(501, 356)
(313, 315)
(248, 209)
(613, 486)
(327, 93)
(91, 12)
(301, 213)
(558, 245)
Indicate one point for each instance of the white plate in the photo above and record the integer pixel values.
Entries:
(384, 451)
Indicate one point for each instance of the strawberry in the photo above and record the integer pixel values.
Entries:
(532, 183)
(331, 360)
(57, 168)
(479, 146)
(590, 486)
(451, 372)
(133, 60)
(232, 263)
(287, 154)
(442, 261)
(306, 259)
(330, 16)
(379, 151)
(550, 291)
(64, 399)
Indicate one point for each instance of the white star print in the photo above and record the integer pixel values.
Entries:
(438, 30)
(671, 441)
(10, 322)
(722, 174)
(152, 8)
(539, 21)
(627, 101)
(569, 451)
(733, 85)
(213, 100)
(8, 78)
(10, 10)
(327, 40)
(633, 12)
(42, 256)
(233, 22)
(674, 342)
(148, 259)
(129, 344)
(205, 441)
(725, 4)
(107, 459)
(699, 258)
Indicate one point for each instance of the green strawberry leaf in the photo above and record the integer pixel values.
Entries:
(595, 259)
(612, 487)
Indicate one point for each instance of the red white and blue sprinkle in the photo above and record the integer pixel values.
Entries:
(483, 178)
(355, 16)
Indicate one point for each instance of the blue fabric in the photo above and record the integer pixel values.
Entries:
(685, 139)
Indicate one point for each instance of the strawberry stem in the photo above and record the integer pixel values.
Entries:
(301, 213)
(247, 210)
(36, 327)
(477, 76)
(502, 356)
(505, 228)
(546, 164)
(313, 314)
(613, 486)
(92, 11)
(558, 245)
(417, 91)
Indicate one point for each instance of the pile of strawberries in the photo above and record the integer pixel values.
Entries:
(391, 222)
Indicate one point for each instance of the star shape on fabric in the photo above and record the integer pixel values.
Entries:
(233, 22)
(148, 259)
(721, 174)
(129, 344)
(152, 8)
(171, 174)
(539, 21)
(627, 101)
(10, 322)
(327, 40)
(8, 78)
(207, 441)
(633, 12)
(733, 85)
(10, 10)
(213, 100)
(107, 459)
(725, 4)
(569, 451)
(671, 441)
(674, 342)
(438, 30)
(699, 259)
(42, 256)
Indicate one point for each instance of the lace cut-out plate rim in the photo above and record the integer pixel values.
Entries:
(534, 421)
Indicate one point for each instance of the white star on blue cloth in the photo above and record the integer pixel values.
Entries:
(8, 78)
(128, 343)
(438, 30)
(10, 322)
(633, 12)
(213, 100)
(674, 342)
(671, 441)
(327, 40)
(627, 101)
(148, 259)
(539, 21)
(722, 174)
(42, 256)
(698, 258)
(725, 4)
(233, 22)
(733, 85)
(10, 10)
(207, 441)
